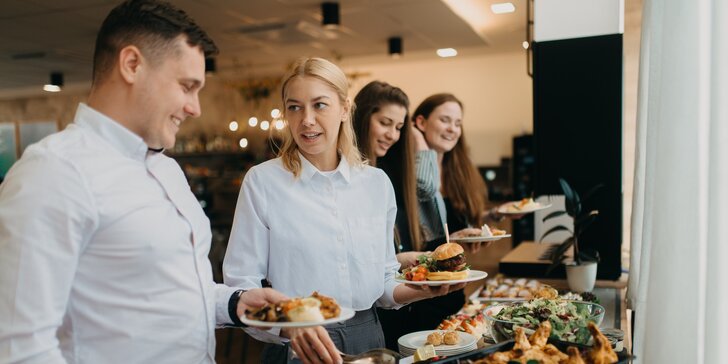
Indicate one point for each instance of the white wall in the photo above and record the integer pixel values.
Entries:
(495, 90)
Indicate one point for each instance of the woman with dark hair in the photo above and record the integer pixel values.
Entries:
(384, 135)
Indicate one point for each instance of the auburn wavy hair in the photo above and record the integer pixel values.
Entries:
(461, 181)
(399, 162)
(333, 76)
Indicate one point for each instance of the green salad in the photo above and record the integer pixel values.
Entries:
(568, 319)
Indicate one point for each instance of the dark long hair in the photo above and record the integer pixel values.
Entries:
(399, 162)
(461, 182)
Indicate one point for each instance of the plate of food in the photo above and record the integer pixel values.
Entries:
(445, 342)
(478, 235)
(445, 265)
(314, 310)
(524, 206)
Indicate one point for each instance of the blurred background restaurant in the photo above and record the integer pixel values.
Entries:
(539, 103)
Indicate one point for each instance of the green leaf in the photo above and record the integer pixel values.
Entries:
(591, 192)
(558, 254)
(590, 255)
(568, 197)
(553, 214)
(583, 222)
(553, 230)
(553, 266)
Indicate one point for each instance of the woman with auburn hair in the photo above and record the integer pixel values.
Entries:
(317, 218)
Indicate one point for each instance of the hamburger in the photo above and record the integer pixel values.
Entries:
(448, 263)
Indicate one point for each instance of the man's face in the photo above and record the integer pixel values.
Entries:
(168, 94)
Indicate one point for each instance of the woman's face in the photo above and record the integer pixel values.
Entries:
(314, 113)
(385, 127)
(442, 129)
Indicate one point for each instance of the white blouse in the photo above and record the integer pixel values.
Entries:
(326, 232)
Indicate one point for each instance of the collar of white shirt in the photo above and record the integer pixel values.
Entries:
(120, 138)
(308, 170)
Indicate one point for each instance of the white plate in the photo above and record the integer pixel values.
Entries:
(504, 210)
(478, 239)
(473, 275)
(419, 338)
(345, 314)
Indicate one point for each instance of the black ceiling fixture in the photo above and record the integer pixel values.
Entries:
(330, 15)
(56, 82)
(395, 47)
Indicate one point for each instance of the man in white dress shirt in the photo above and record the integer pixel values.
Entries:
(103, 247)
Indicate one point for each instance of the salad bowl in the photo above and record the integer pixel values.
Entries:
(568, 318)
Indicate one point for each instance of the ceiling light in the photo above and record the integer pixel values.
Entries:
(56, 82)
(525, 44)
(264, 125)
(279, 124)
(502, 8)
(447, 52)
(243, 143)
(275, 113)
(330, 15)
(395, 47)
(253, 121)
(210, 66)
(233, 125)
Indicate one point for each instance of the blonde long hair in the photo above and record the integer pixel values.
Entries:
(333, 76)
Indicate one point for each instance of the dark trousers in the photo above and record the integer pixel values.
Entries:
(357, 335)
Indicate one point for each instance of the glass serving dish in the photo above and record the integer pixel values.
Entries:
(568, 318)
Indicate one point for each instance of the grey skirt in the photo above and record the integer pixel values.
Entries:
(357, 335)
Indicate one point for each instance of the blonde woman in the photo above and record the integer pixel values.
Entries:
(317, 218)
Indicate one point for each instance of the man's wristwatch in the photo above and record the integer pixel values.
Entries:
(233, 308)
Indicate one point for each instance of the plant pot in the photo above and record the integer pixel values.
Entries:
(581, 278)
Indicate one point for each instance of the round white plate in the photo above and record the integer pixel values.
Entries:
(479, 239)
(473, 275)
(419, 338)
(345, 314)
(504, 210)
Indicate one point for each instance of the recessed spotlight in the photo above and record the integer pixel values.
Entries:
(253, 121)
(264, 125)
(233, 125)
(525, 44)
(279, 124)
(243, 143)
(502, 8)
(447, 52)
(275, 113)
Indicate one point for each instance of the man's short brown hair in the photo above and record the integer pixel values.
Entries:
(152, 26)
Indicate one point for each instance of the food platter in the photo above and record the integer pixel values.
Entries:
(473, 275)
(479, 239)
(505, 209)
(410, 342)
(345, 314)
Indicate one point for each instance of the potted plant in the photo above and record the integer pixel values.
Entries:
(581, 271)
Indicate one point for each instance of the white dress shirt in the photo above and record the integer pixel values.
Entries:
(326, 232)
(103, 254)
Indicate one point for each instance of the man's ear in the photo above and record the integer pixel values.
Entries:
(130, 63)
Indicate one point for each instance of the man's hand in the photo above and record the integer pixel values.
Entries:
(312, 345)
(258, 297)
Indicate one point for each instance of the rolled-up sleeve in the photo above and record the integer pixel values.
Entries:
(47, 216)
